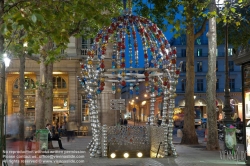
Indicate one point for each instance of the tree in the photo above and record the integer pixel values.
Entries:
(48, 23)
(238, 23)
(191, 16)
(190, 20)
(212, 143)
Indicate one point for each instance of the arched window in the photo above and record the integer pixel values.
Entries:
(28, 84)
(59, 83)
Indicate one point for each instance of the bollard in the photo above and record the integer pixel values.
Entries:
(179, 133)
(205, 139)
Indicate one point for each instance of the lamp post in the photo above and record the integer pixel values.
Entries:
(227, 108)
(4, 63)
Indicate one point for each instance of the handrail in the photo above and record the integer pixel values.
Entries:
(158, 149)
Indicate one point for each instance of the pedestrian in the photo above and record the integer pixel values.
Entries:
(70, 131)
(121, 121)
(31, 137)
(148, 120)
(52, 136)
(125, 122)
(63, 129)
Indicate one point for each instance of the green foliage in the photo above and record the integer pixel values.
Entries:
(237, 16)
(43, 21)
(172, 13)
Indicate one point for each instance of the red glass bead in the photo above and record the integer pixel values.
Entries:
(123, 83)
(102, 65)
(106, 38)
(177, 72)
(122, 65)
(173, 61)
(101, 88)
(123, 46)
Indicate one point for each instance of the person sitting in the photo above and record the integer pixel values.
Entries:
(53, 136)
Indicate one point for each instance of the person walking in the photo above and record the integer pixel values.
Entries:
(52, 136)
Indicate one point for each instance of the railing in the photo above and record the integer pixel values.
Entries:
(84, 51)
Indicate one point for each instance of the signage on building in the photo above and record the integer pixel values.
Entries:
(117, 104)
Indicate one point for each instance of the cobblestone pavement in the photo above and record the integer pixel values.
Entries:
(187, 156)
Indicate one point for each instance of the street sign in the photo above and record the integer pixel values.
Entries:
(134, 109)
(117, 101)
(117, 108)
(117, 104)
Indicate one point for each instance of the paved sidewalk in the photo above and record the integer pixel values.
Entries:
(187, 156)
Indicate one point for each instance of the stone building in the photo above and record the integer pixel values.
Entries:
(69, 99)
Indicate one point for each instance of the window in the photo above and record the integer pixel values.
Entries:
(199, 66)
(28, 84)
(183, 85)
(217, 65)
(199, 52)
(59, 83)
(198, 41)
(232, 84)
(85, 109)
(183, 39)
(183, 52)
(199, 84)
(183, 67)
(230, 52)
(217, 84)
(231, 65)
(86, 43)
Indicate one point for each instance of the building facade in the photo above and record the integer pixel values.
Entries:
(69, 99)
(201, 69)
(142, 103)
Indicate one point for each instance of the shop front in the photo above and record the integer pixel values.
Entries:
(243, 59)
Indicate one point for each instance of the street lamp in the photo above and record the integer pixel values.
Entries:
(227, 108)
(5, 62)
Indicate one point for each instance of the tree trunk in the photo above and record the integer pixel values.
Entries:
(189, 134)
(40, 96)
(212, 143)
(49, 94)
(21, 107)
(2, 89)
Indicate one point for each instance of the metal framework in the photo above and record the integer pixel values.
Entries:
(160, 73)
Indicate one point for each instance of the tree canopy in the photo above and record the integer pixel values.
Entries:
(46, 20)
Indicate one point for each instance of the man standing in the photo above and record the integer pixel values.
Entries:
(53, 136)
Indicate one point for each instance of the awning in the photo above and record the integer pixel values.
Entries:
(60, 110)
